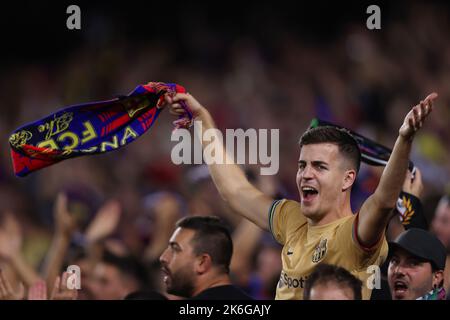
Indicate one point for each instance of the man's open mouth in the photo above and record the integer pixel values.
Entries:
(166, 274)
(308, 193)
(400, 287)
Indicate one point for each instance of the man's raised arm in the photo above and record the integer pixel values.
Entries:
(375, 212)
(228, 177)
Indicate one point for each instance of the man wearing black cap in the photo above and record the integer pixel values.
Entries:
(416, 267)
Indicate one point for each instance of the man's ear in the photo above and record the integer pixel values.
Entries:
(438, 277)
(203, 263)
(349, 179)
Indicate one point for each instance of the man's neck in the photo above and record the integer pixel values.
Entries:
(210, 282)
(341, 210)
(329, 218)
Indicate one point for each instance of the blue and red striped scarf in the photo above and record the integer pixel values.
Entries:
(89, 128)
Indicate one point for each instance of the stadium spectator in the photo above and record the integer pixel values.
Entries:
(329, 282)
(322, 225)
(196, 264)
(115, 277)
(440, 226)
(416, 266)
(409, 213)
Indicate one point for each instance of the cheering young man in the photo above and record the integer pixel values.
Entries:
(321, 228)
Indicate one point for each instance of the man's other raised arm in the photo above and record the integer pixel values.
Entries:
(375, 211)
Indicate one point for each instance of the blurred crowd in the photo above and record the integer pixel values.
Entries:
(113, 214)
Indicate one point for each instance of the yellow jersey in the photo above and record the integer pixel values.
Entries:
(305, 246)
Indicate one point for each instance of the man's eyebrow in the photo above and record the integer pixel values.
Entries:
(315, 162)
(319, 162)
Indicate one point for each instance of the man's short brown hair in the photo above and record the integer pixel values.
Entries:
(327, 273)
(347, 145)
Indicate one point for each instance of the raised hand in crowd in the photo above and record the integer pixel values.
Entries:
(37, 291)
(105, 222)
(10, 238)
(61, 291)
(102, 226)
(10, 249)
(415, 118)
(7, 292)
(65, 222)
(65, 227)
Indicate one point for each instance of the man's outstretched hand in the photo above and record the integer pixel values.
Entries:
(415, 118)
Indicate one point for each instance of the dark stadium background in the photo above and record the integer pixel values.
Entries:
(35, 30)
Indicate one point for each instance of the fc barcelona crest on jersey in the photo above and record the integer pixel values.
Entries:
(320, 251)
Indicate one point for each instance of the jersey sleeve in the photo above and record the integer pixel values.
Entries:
(352, 249)
(285, 217)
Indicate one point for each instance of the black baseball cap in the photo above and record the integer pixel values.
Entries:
(421, 244)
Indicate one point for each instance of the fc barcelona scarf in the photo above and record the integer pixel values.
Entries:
(90, 128)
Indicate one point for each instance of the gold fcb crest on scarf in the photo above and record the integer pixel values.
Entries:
(320, 251)
(135, 104)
